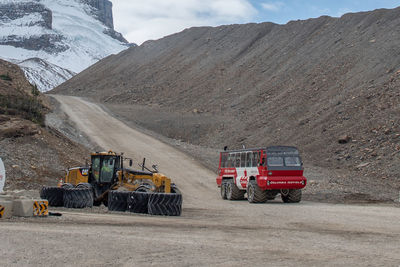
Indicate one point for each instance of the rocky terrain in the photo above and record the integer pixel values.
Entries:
(33, 154)
(328, 85)
(41, 36)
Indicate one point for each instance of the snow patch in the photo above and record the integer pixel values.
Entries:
(43, 74)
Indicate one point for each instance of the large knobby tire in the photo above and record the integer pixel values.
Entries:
(223, 190)
(294, 196)
(255, 194)
(271, 194)
(53, 194)
(84, 185)
(118, 200)
(233, 192)
(138, 202)
(78, 198)
(165, 204)
(67, 185)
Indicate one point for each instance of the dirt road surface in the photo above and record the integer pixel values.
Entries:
(210, 232)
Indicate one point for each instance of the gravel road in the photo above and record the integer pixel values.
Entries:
(210, 231)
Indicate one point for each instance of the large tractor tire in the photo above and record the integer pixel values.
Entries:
(84, 185)
(233, 192)
(53, 194)
(223, 190)
(138, 202)
(118, 200)
(78, 198)
(165, 204)
(67, 185)
(294, 196)
(255, 194)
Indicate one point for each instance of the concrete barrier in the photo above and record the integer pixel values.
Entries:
(6, 209)
(6, 197)
(28, 207)
(23, 208)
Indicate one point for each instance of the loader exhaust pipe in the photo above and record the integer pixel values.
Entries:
(143, 164)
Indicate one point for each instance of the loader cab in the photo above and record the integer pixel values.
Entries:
(104, 168)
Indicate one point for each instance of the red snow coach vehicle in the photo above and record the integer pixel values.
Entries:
(262, 173)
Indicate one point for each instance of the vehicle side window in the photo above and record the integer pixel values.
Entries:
(96, 168)
(231, 160)
(243, 159)
(256, 159)
(224, 158)
(237, 160)
(249, 161)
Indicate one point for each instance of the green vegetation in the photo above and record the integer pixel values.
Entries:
(28, 107)
(35, 90)
(5, 77)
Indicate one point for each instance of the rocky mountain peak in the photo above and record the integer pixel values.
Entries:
(12, 11)
(47, 30)
(103, 11)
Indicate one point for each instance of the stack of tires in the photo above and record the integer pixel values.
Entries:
(165, 204)
(78, 198)
(54, 195)
(68, 196)
(147, 202)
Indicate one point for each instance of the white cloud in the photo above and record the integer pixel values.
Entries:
(140, 20)
(272, 6)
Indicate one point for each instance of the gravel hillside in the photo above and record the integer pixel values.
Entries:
(33, 154)
(328, 85)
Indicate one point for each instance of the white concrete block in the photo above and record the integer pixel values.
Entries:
(6, 197)
(23, 207)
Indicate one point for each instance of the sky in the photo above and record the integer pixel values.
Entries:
(142, 20)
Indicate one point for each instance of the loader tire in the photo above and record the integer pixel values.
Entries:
(118, 200)
(255, 194)
(165, 204)
(138, 202)
(233, 192)
(294, 196)
(67, 185)
(78, 198)
(84, 185)
(53, 194)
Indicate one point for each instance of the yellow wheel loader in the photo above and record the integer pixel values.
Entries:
(106, 180)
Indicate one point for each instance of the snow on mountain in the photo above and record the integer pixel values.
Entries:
(45, 74)
(60, 37)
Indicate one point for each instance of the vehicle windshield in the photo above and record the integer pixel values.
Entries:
(107, 169)
(292, 161)
(277, 161)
